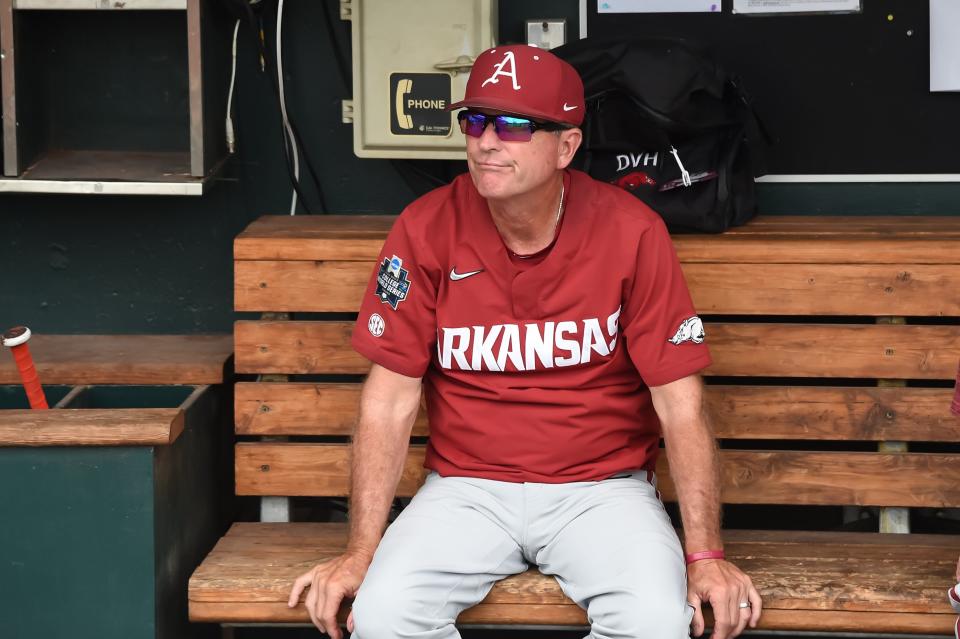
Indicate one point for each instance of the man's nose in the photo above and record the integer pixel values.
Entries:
(488, 139)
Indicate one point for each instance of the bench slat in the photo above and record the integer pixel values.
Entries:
(91, 427)
(805, 581)
(125, 359)
(766, 239)
(720, 289)
(572, 615)
(824, 289)
(294, 408)
(756, 350)
(293, 285)
(738, 412)
(749, 477)
(825, 350)
(310, 237)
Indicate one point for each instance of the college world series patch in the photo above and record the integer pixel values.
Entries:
(393, 282)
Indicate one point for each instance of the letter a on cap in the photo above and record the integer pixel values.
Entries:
(498, 71)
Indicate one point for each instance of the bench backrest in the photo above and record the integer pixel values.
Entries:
(845, 330)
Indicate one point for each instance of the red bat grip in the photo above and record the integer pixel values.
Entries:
(28, 373)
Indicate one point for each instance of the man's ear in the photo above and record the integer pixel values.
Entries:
(568, 143)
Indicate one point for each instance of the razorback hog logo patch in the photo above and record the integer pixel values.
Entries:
(691, 330)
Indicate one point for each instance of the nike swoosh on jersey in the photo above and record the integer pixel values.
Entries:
(461, 276)
(568, 108)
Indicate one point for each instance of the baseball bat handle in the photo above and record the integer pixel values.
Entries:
(28, 374)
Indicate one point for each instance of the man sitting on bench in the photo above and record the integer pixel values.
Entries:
(547, 319)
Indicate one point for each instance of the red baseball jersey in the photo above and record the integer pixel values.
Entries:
(534, 370)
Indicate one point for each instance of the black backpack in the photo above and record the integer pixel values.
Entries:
(667, 124)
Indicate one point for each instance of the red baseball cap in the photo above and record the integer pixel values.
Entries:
(525, 80)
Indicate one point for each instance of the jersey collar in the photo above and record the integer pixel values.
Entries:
(577, 217)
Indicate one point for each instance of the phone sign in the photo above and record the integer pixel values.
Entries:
(418, 103)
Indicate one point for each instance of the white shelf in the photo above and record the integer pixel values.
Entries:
(89, 187)
(100, 5)
(860, 178)
(108, 173)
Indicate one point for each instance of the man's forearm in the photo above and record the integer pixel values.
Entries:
(695, 472)
(377, 462)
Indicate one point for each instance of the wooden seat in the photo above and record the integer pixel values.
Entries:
(836, 581)
(835, 341)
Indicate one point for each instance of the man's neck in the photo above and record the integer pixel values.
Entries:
(528, 223)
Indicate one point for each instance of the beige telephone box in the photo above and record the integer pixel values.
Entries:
(411, 58)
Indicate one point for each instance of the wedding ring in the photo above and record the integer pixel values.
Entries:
(744, 604)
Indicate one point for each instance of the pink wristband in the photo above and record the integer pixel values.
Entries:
(704, 554)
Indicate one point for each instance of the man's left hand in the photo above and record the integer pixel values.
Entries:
(725, 587)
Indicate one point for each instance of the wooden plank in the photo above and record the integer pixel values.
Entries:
(824, 350)
(829, 413)
(91, 427)
(720, 289)
(299, 285)
(738, 412)
(574, 616)
(767, 239)
(263, 468)
(302, 409)
(832, 578)
(125, 359)
(928, 226)
(783, 239)
(739, 349)
(296, 347)
(313, 237)
(749, 477)
(796, 249)
(825, 289)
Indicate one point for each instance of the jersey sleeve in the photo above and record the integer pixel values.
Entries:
(663, 334)
(396, 327)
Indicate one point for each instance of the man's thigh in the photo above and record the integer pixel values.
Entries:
(616, 554)
(443, 553)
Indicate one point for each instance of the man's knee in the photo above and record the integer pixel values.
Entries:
(626, 615)
(375, 612)
(384, 610)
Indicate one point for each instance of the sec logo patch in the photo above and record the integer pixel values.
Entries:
(376, 325)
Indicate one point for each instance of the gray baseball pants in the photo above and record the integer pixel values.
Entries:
(609, 543)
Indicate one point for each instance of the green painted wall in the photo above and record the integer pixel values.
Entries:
(76, 264)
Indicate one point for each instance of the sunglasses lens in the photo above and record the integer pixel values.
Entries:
(508, 128)
(511, 129)
(472, 124)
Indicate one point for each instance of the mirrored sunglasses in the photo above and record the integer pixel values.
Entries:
(509, 128)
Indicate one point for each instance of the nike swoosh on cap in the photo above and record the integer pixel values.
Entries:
(461, 276)
(568, 108)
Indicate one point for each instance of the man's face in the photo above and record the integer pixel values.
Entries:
(501, 170)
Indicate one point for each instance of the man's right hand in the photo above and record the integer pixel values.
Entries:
(329, 583)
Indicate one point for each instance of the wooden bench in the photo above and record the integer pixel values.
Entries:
(832, 337)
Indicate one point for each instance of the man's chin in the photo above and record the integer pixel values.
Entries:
(491, 188)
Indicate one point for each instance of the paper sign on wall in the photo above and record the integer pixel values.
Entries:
(944, 45)
(658, 6)
(796, 6)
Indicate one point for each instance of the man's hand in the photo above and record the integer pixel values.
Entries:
(329, 583)
(725, 587)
